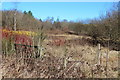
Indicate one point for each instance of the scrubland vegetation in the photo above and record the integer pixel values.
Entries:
(59, 49)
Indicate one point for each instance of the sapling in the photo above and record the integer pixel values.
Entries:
(33, 45)
(41, 38)
(6, 50)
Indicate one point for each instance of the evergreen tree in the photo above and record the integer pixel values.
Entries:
(25, 12)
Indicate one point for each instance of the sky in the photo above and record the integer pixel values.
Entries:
(59, 0)
(63, 10)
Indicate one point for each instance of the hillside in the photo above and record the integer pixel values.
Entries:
(35, 48)
(81, 61)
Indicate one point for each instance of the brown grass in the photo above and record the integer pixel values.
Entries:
(81, 62)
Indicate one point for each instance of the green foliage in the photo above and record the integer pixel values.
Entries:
(30, 13)
(25, 12)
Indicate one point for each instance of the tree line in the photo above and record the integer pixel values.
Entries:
(103, 28)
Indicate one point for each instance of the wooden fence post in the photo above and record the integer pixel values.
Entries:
(99, 60)
(99, 55)
(107, 55)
